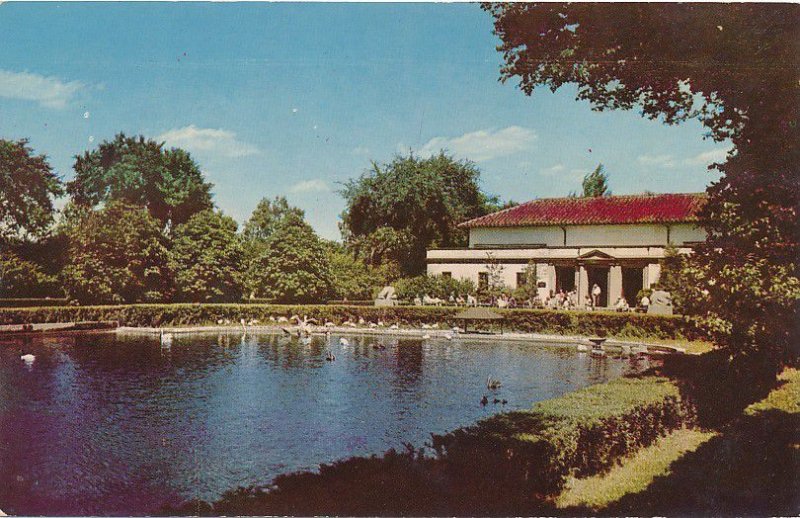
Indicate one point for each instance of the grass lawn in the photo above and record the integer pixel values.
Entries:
(634, 475)
(749, 466)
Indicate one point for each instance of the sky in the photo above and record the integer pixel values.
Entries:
(295, 99)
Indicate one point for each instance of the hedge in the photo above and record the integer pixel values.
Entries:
(522, 320)
(31, 302)
(580, 434)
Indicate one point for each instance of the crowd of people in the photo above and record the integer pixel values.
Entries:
(566, 300)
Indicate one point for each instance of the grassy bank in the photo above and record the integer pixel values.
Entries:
(749, 466)
(630, 326)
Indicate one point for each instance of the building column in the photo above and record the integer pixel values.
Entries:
(583, 286)
(651, 274)
(614, 284)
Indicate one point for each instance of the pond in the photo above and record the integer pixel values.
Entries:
(107, 424)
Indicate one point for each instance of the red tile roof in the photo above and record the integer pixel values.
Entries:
(609, 210)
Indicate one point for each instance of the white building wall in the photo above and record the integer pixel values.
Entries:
(587, 235)
(684, 233)
(549, 236)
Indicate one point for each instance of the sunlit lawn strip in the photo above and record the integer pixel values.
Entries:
(634, 474)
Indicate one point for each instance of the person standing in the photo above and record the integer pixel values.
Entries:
(596, 291)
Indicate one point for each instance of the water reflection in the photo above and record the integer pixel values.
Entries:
(102, 424)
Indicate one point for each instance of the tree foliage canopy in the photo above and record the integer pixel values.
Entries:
(395, 211)
(27, 188)
(267, 216)
(117, 254)
(140, 171)
(734, 67)
(207, 259)
(294, 267)
(595, 184)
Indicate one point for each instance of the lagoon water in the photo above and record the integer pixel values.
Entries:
(101, 424)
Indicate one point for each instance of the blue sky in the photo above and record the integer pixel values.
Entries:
(292, 99)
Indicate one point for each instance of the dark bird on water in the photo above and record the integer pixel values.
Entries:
(484, 401)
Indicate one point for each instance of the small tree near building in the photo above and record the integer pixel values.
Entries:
(595, 184)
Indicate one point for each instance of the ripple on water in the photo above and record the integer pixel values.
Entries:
(106, 425)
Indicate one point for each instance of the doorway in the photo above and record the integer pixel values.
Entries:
(565, 278)
(632, 283)
(599, 275)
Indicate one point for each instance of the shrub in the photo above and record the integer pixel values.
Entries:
(437, 286)
(580, 434)
(522, 320)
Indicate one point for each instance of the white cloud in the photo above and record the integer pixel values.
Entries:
(663, 161)
(483, 145)
(49, 92)
(553, 170)
(208, 141)
(709, 157)
(310, 186)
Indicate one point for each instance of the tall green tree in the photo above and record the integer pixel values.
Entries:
(352, 278)
(267, 216)
(207, 259)
(117, 254)
(414, 203)
(733, 67)
(294, 267)
(27, 188)
(595, 184)
(140, 171)
(21, 278)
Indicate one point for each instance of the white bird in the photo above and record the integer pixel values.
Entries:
(329, 324)
(373, 324)
(27, 358)
(271, 318)
(220, 321)
(166, 338)
(426, 336)
(344, 341)
(435, 326)
(425, 326)
(282, 319)
(448, 336)
(583, 348)
(394, 326)
(380, 323)
(352, 324)
(456, 330)
(361, 321)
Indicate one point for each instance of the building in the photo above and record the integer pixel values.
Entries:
(615, 242)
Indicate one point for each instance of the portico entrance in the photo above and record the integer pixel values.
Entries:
(598, 275)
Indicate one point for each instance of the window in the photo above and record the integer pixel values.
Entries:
(483, 280)
(447, 275)
(522, 279)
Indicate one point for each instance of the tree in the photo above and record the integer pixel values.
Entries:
(21, 278)
(267, 216)
(207, 259)
(294, 267)
(595, 184)
(117, 254)
(352, 278)
(414, 203)
(141, 172)
(27, 188)
(733, 67)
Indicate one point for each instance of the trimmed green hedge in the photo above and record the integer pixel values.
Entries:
(580, 434)
(32, 302)
(522, 320)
